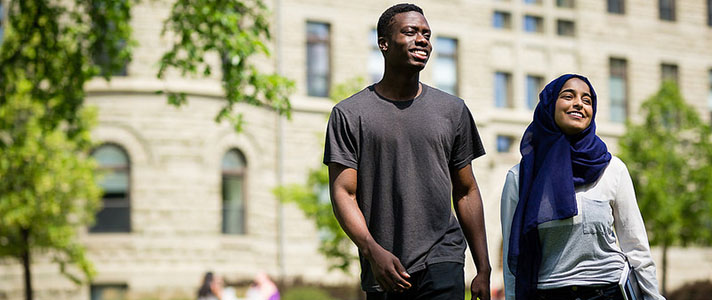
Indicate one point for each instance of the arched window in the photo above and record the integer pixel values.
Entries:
(233, 192)
(114, 167)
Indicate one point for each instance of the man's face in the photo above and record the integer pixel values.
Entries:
(408, 43)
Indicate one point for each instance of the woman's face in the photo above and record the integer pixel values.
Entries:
(574, 107)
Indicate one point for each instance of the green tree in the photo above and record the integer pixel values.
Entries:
(236, 32)
(48, 52)
(313, 198)
(670, 160)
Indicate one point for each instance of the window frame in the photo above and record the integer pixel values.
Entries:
(618, 68)
(509, 98)
(243, 175)
(506, 20)
(455, 57)
(665, 12)
(538, 21)
(560, 22)
(616, 7)
(128, 228)
(327, 42)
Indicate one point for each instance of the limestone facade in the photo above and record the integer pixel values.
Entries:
(175, 153)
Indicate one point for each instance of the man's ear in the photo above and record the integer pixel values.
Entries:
(382, 43)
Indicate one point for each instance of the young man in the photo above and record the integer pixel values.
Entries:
(394, 151)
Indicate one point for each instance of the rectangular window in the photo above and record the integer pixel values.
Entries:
(669, 72)
(504, 143)
(2, 20)
(318, 59)
(565, 3)
(532, 1)
(618, 85)
(534, 85)
(565, 28)
(503, 20)
(502, 89)
(616, 6)
(709, 13)
(375, 58)
(108, 291)
(709, 96)
(446, 65)
(667, 10)
(533, 24)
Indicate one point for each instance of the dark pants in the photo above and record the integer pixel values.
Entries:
(608, 292)
(441, 281)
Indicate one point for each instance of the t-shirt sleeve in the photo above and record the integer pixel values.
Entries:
(341, 144)
(467, 145)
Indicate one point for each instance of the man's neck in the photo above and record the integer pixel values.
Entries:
(399, 86)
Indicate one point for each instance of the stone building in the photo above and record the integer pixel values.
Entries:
(188, 195)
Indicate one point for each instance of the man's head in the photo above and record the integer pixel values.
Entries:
(404, 37)
(386, 18)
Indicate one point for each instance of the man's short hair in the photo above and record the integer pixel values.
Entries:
(386, 18)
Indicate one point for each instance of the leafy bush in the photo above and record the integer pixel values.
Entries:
(306, 293)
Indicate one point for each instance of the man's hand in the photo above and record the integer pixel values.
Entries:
(480, 286)
(388, 270)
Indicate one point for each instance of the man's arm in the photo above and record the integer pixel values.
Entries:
(386, 267)
(468, 207)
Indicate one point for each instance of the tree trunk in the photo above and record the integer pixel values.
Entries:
(663, 283)
(26, 263)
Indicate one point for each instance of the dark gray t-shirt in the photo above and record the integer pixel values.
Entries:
(403, 151)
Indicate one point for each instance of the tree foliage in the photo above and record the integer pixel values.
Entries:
(313, 199)
(235, 31)
(670, 160)
(48, 189)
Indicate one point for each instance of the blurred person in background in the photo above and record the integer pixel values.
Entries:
(211, 288)
(570, 219)
(262, 288)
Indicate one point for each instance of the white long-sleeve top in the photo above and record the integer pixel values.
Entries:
(582, 250)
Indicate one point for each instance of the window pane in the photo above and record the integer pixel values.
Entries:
(709, 13)
(233, 161)
(501, 19)
(233, 192)
(565, 3)
(504, 143)
(502, 89)
(2, 19)
(667, 9)
(110, 156)
(533, 24)
(618, 89)
(233, 205)
(532, 1)
(616, 6)
(375, 59)
(446, 65)
(318, 59)
(114, 168)
(533, 87)
(565, 28)
(108, 291)
(669, 72)
(709, 96)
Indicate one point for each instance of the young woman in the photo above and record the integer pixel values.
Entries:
(570, 220)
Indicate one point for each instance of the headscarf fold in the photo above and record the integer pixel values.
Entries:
(552, 164)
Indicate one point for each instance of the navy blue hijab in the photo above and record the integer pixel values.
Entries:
(552, 164)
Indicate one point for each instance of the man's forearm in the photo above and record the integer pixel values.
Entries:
(470, 214)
